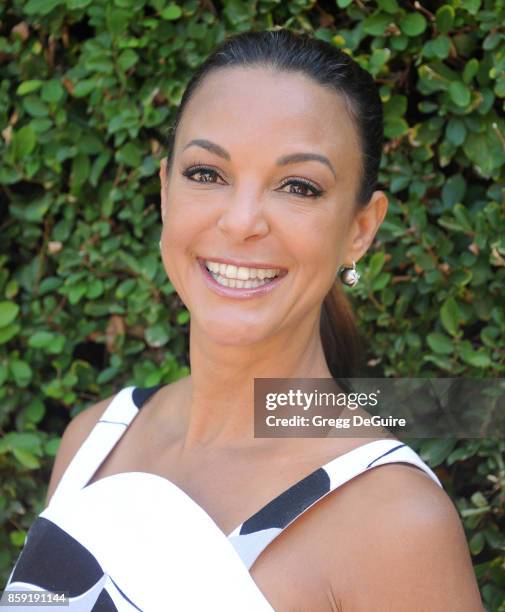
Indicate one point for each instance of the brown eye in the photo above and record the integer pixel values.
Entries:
(209, 174)
(303, 188)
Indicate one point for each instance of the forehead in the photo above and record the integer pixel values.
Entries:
(255, 106)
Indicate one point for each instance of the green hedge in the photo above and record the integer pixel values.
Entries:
(88, 89)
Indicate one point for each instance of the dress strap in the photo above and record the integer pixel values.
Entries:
(101, 440)
(252, 536)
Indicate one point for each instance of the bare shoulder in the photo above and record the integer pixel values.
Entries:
(407, 548)
(73, 436)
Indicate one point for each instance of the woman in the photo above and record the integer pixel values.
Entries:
(272, 172)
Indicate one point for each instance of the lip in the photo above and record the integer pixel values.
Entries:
(245, 264)
(233, 292)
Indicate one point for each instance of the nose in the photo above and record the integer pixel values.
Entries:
(243, 214)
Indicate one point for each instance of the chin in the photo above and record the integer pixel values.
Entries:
(233, 333)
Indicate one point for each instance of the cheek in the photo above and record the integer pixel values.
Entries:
(177, 236)
(315, 239)
(183, 222)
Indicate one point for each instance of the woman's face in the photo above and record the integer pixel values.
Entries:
(253, 205)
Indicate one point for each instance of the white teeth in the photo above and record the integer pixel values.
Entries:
(237, 283)
(241, 273)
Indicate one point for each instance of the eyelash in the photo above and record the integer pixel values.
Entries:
(316, 192)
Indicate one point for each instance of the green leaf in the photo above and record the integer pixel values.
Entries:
(157, 335)
(26, 458)
(444, 18)
(462, 215)
(438, 47)
(98, 167)
(117, 20)
(484, 151)
(84, 88)
(479, 500)
(434, 452)
(78, 4)
(440, 343)
(106, 375)
(472, 6)
(23, 439)
(130, 155)
(456, 131)
(41, 7)
(395, 127)
(376, 24)
(80, 170)
(28, 87)
(35, 107)
(51, 446)
(453, 190)
(381, 281)
(8, 312)
(127, 59)
(413, 24)
(476, 543)
(35, 410)
(171, 12)
(95, 289)
(76, 292)
(478, 359)
(50, 283)
(395, 106)
(53, 389)
(41, 339)
(23, 142)
(21, 372)
(52, 91)
(450, 316)
(8, 332)
(182, 317)
(492, 40)
(18, 537)
(149, 266)
(32, 211)
(390, 6)
(470, 70)
(459, 93)
(125, 288)
(377, 60)
(375, 264)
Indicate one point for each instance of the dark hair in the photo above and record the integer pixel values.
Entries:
(284, 50)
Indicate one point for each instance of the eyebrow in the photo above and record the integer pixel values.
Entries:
(282, 161)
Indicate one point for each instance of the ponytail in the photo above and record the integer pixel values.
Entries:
(342, 344)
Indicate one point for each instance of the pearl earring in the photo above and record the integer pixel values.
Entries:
(349, 275)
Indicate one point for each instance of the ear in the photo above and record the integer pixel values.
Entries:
(365, 225)
(164, 187)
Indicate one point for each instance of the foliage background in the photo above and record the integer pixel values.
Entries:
(88, 89)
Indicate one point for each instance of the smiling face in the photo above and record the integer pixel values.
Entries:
(239, 190)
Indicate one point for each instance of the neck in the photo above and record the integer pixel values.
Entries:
(220, 389)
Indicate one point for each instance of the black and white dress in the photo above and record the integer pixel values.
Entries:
(136, 541)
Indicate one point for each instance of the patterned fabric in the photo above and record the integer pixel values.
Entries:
(136, 541)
